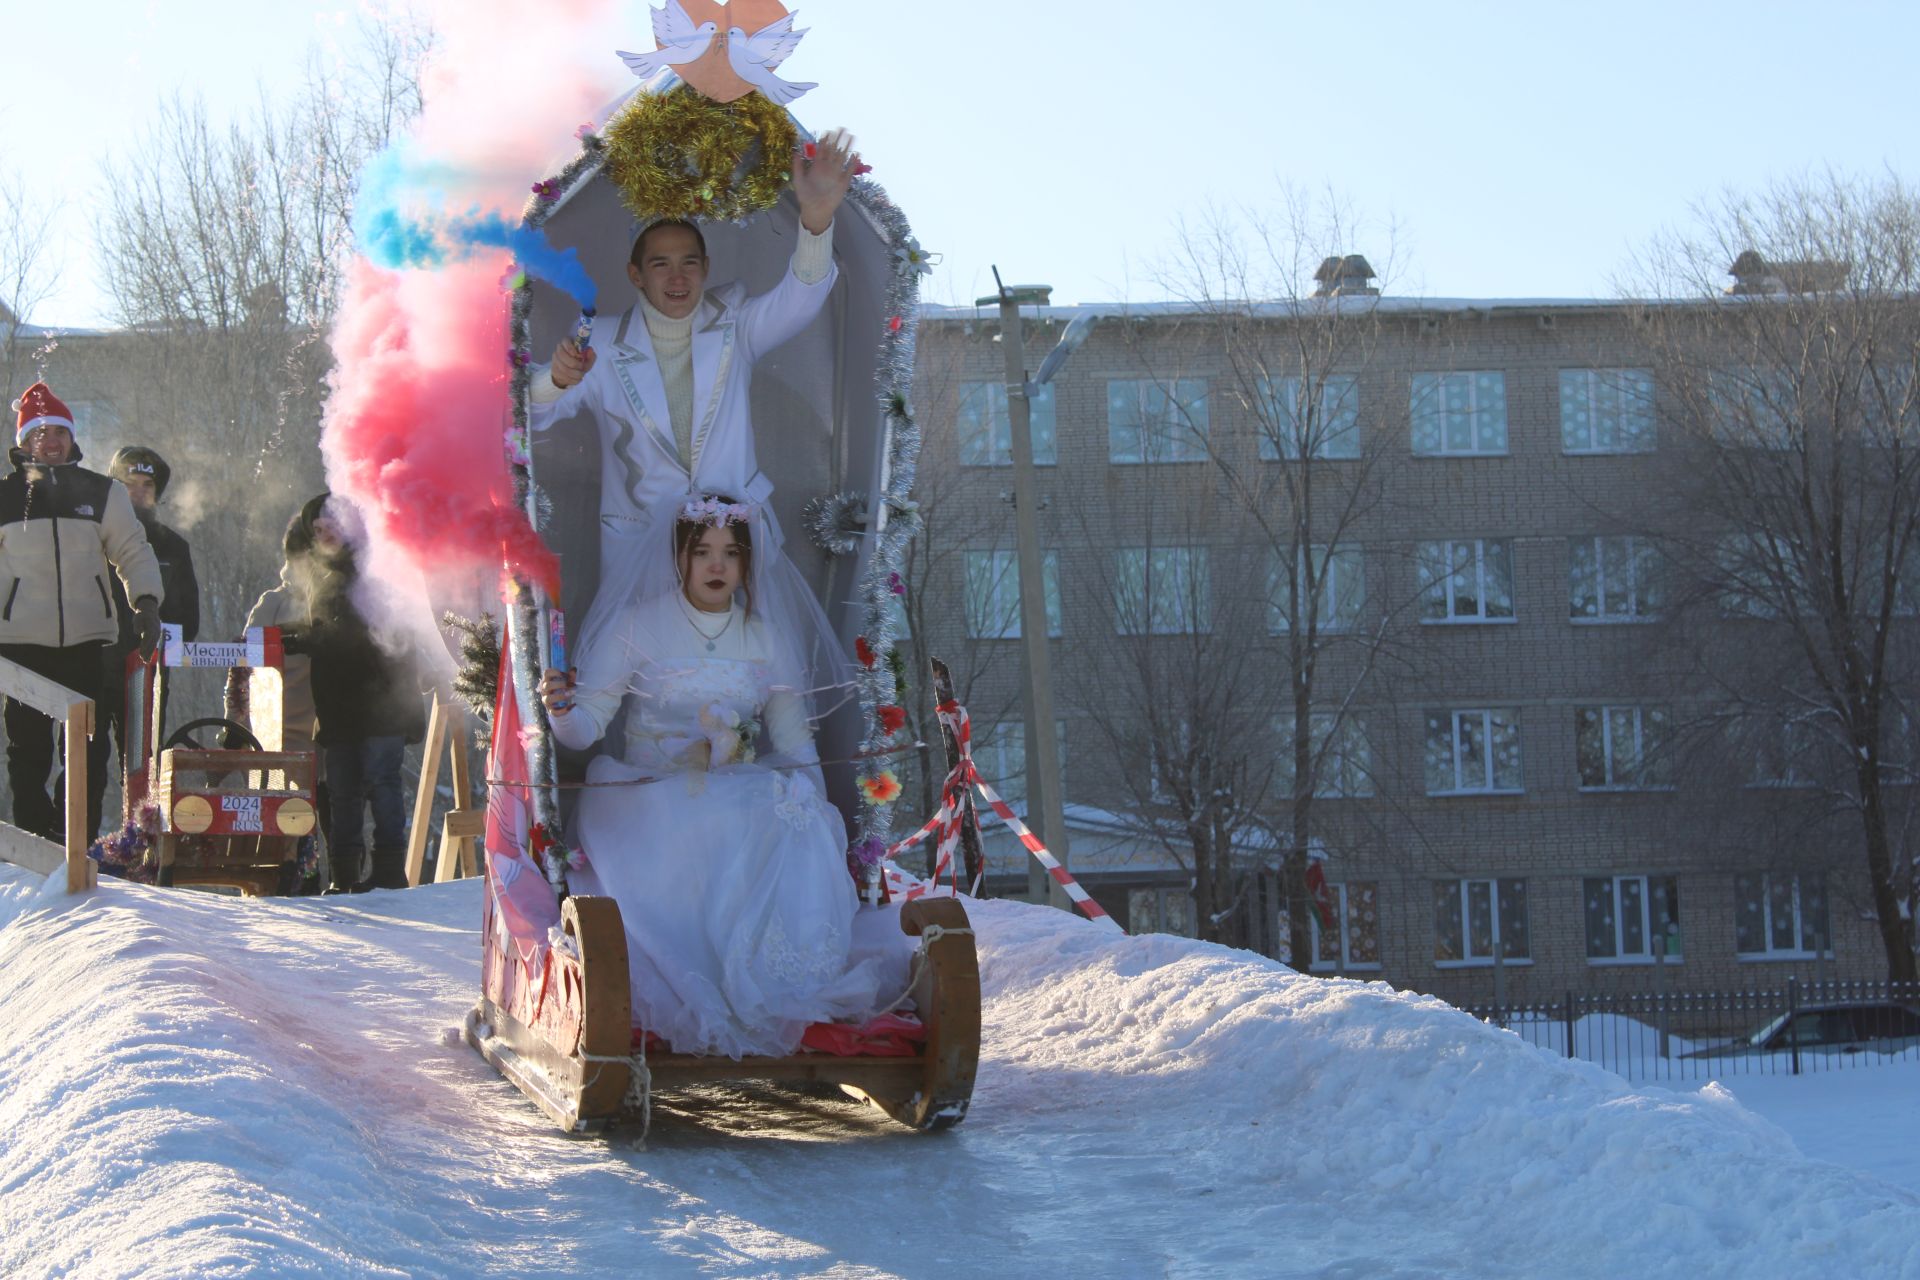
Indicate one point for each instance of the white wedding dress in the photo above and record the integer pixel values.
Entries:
(731, 877)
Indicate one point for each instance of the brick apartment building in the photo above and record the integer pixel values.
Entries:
(1522, 802)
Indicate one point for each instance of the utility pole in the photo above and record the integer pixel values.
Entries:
(1045, 805)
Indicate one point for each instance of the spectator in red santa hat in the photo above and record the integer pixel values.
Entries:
(63, 528)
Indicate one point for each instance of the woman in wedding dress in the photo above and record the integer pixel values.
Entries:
(708, 819)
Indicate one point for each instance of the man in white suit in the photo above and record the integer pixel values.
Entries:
(668, 380)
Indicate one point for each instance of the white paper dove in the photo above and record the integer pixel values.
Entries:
(679, 39)
(754, 57)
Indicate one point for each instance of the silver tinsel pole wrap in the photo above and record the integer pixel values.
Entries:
(837, 523)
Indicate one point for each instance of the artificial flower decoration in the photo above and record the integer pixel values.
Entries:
(538, 841)
(863, 651)
(894, 323)
(880, 788)
(585, 131)
(870, 852)
(519, 358)
(548, 191)
(911, 256)
(896, 584)
(892, 719)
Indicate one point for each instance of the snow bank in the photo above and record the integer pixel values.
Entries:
(195, 1085)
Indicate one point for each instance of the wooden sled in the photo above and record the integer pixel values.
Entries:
(564, 1037)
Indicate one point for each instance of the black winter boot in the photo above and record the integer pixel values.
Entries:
(390, 867)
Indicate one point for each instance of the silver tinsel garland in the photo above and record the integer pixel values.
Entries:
(894, 515)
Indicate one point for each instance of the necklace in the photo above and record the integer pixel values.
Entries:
(709, 637)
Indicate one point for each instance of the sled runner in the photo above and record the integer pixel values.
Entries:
(834, 434)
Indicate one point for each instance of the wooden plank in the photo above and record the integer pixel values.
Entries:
(43, 695)
(430, 754)
(79, 729)
(25, 849)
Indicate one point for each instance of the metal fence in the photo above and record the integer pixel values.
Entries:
(1793, 1028)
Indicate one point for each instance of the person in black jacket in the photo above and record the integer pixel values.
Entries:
(366, 699)
(145, 475)
(64, 530)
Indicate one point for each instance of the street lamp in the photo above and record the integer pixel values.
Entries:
(1044, 799)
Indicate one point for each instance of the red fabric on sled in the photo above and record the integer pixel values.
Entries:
(891, 1035)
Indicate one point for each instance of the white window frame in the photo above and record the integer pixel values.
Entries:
(985, 427)
(1174, 420)
(1648, 925)
(1433, 386)
(1591, 380)
(1440, 589)
(1137, 598)
(1343, 915)
(1346, 768)
(991, 572)
(1340, 597)
(1657, 741)
(1640, 555)
(1468, 960)
(1337, 434)
(1485, 716)
(1800, 952)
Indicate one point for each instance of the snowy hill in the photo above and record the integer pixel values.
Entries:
(201, 1086)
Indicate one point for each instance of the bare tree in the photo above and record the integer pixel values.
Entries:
(224, 250)
(27, 268)
(1794, 398)
(1257, 714)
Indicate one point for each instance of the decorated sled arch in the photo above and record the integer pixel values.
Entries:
(834, 433)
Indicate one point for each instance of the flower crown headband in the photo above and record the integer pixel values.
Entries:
(715, 512)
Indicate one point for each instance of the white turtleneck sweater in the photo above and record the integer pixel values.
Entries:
(673, 343)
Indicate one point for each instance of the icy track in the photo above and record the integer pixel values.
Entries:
(201, 1086)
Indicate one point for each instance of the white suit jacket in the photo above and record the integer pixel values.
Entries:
(639, 463)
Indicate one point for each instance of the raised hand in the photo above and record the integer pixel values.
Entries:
(820, 182)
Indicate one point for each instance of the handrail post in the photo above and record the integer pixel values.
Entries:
(79, 729)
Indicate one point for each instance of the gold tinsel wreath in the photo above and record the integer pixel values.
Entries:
(681, 155)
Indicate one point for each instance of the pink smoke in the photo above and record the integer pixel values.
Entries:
(414, 432)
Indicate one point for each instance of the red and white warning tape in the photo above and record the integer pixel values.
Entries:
(947, 821)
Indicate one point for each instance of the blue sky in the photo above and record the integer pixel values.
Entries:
(1517, 149)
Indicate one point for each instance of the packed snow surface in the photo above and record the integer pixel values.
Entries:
(193, 1085)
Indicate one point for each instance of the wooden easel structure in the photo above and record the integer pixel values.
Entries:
(23, 848)
(446, 729)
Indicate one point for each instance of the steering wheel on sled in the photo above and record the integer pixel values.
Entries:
(236, 736)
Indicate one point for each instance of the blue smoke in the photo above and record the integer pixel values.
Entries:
(391, 232)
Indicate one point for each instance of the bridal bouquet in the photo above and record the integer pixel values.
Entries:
(729, 736)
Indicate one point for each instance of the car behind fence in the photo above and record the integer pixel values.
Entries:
(1696, 1035)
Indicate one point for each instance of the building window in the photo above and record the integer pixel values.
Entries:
(1761, 575)
(1754, 409)
(1355, 941)
(993, 594)
(1168, 910)
(1781, 916)
(1613, 579)
(1312, 420)
(1001, 757)
(1469, 914)
(1340, 590)
(1343, 757)
(1606, 411)
(1784, 752)
(1632, 917)
(1461, 414)
(1161, 590)
(1466, 580)
(1156, 422)
(1473, 752)
(1623, 748)
(986, 432)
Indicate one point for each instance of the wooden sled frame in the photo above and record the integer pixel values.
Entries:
(563, 1038)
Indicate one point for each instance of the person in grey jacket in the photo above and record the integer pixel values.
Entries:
(62, 529)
